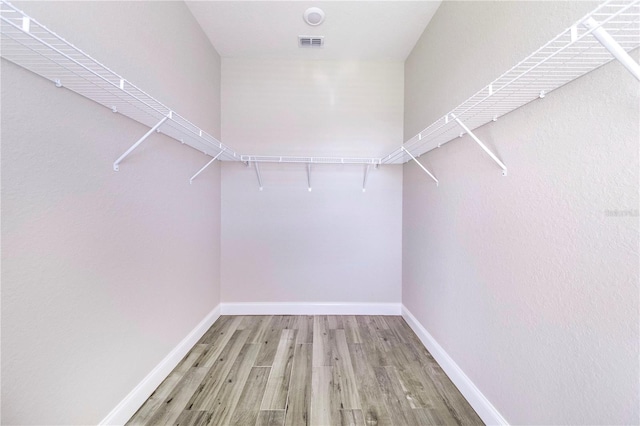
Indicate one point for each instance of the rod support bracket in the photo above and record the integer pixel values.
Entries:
(116, 164)
(482, 145)
(421, 166)
(205, 166)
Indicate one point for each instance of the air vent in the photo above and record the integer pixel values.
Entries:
(310, 41)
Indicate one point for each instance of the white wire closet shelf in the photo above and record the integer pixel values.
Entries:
(31, 45)
(608, 32)
(308, 160)
(574, 52)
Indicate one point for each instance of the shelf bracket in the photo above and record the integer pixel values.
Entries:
(205, 166)
(116, 164)
(366, 174)
(421, 166)
(612, 46)
(309, 176)
(258, 174)
(483, 146)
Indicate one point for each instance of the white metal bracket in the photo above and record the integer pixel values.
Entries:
(421, 166)
(483, 146)
(205, 166)
(258, 174)
(366, 174)
(612, 46)
(309, 176)
(116, 164)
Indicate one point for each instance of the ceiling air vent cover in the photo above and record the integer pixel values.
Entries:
(310, 41)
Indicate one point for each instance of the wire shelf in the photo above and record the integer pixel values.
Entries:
(308, 160)
(568, 56)
(31, 45)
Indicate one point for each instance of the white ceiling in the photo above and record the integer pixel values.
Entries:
(354, 30)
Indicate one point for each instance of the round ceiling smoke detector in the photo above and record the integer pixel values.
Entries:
(314, 16)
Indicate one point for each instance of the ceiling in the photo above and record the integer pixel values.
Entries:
(353, 30)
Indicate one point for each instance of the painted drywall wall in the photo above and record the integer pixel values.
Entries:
(335, 243)
(103, 272)
(530, 281)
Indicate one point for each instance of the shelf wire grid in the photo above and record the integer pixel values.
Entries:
(571, 54)
(568, 56)
(309, 160)
(31, 45)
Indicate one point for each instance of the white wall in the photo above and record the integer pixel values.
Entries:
(103, 273)
(527, 281)
(334, 244)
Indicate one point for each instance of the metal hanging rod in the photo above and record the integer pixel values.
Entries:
(31, 45)
(608, 32)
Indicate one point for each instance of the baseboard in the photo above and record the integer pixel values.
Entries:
(311, 308)
(478, 401)
(134, 400)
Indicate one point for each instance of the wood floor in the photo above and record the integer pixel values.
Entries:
(307, 370)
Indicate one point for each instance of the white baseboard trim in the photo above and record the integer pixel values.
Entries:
(134, 400)
(487, 412)
(311, 308)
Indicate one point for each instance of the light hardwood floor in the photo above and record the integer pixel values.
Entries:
(307, 370)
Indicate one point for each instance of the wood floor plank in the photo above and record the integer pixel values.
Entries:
(373, 410)
(434, 416)
(304, 325)
(275, 395)
(193, 418)
(334, 322)
(307, 370)
(246, 412)
(299, 398)
(209, 357)
(211, 334)
(287, 322)
(344, 377)
(394, 398)
(321, 345)
(271, 418)
(454, 401)
(418, 389)
(173, 406)
(206, 393)
(351, 418)
(351, 329)
(225, 402)
(149, 408)
(190, 359)
(399, 327)
(371, 341)
(260, 326)
(321, 390)
(269, 342)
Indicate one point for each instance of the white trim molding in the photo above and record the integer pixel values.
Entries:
(134, 400)
(303, 308)
(487, 412)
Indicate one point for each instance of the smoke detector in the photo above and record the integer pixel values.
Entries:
(314, 16)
